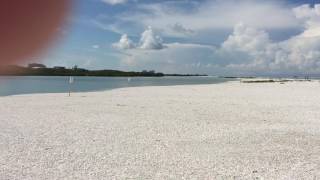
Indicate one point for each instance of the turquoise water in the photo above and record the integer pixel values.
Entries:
(42, 84)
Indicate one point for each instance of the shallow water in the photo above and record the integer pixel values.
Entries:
(46, 84)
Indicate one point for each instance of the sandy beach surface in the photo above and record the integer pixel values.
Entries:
(221, 131)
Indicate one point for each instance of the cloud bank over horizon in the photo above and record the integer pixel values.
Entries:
(249, 48)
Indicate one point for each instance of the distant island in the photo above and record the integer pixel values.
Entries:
(35, 69)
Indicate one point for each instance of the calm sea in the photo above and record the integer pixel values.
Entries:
(34, 84)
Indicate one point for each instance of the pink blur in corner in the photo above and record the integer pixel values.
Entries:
(29, 26)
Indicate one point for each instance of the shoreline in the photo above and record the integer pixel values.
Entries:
(244, 81)
(226, 130)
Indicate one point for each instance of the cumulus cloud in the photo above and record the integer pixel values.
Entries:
(148, 41)
(299, 54)
(311, 18)
(114, 2)
(246, 39)
(124, 43)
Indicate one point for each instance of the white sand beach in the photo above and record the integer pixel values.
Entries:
(222, 131)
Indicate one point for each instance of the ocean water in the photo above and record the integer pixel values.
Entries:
(14, 85)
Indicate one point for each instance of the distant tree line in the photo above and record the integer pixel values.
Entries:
(41, 70)
(35, 69)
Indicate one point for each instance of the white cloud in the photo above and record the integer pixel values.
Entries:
(114, 2)
(310, 17)
(299, 54)
(246, 39)
(124, 43)
(150, 41)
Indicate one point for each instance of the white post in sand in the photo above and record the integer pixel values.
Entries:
(71, 81)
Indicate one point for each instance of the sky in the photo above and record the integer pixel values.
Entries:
(215, 37)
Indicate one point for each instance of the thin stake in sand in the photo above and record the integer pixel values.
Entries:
(71, 81)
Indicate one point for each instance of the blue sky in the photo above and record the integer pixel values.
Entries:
(218, 37)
